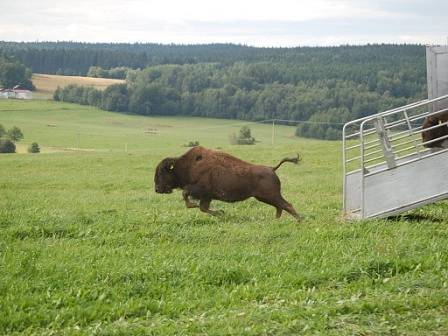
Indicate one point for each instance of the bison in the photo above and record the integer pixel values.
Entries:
(436, 132)
(206, 175)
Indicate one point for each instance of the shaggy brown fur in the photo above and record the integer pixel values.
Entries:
(436, 132)
(207, 175)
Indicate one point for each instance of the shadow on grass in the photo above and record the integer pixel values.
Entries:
(412, 217)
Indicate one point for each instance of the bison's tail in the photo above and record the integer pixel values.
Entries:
(293, 160)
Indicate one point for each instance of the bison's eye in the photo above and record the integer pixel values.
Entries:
(199, 157)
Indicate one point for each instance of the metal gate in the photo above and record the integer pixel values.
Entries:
(387, 167)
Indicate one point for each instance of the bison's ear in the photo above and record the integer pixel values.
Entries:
(168, 164)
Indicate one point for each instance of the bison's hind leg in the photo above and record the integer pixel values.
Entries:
(290, 209)
(280, 204)
(204, 206)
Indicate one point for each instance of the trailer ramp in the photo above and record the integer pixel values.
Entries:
(388, 169)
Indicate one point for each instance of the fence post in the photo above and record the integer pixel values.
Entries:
(385, 143)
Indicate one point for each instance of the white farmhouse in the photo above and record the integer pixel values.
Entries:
(16, 93)
(3, 93)
(22, 94)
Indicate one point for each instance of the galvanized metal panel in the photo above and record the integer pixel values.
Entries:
(437, 74)
(353, 192)
(406, 186)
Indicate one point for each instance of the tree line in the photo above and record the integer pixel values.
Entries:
(115, 73)
(76, 58)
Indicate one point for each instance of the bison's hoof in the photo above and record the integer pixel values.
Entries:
(300, 218)
(218, 213)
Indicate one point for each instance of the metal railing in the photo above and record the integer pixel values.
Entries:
(388, 139)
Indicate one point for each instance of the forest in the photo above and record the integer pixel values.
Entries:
(319, 88)
(13, 72)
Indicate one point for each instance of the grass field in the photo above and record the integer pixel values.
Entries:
(47, 84)
(88, 248)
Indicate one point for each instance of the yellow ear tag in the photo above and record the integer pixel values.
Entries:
(171, 167)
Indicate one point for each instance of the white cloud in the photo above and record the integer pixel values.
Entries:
(261, 23)
(251, 10)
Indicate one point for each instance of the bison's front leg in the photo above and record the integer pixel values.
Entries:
(204, 205)
(188, 203)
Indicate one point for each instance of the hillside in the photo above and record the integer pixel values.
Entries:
(315, 88)
(87, 246)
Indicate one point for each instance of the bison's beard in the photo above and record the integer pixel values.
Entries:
(164, 190)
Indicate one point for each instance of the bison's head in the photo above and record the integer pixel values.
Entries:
(164, 178)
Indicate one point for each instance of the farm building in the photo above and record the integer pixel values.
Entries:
(16, 92)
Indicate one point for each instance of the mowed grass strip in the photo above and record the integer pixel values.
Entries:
(87, 247)
(46, 84)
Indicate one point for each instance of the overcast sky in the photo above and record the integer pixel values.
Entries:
(251, 22)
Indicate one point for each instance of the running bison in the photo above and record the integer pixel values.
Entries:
(207, 175)
(437, 132)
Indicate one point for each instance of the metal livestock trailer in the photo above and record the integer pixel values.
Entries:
(387, 167)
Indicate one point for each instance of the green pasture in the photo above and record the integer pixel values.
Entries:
(88, 248)
(67, 126)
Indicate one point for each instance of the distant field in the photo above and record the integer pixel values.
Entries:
(64, 125)
(47, 84)
(88, 248)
